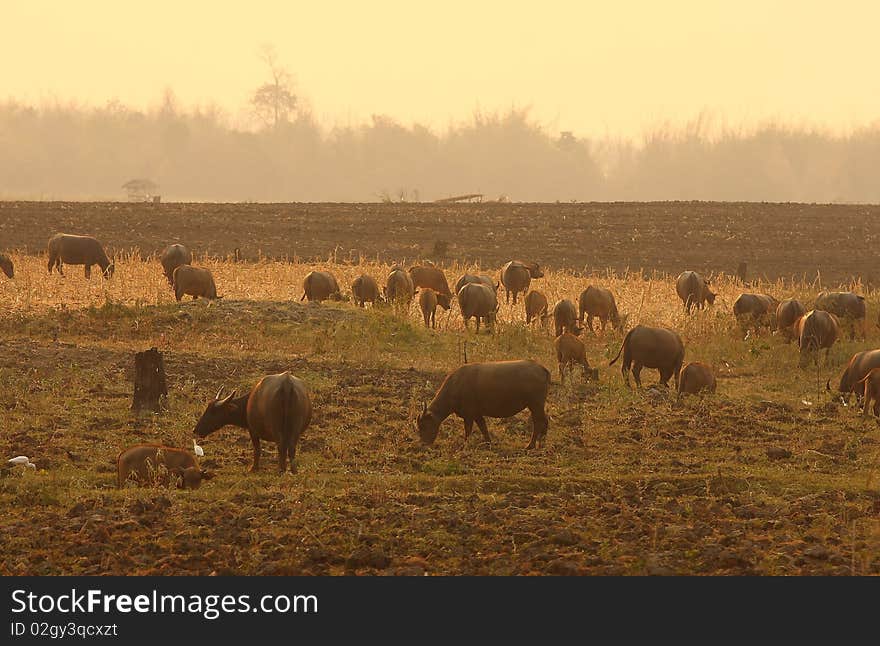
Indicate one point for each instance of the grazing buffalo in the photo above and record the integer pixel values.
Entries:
(318, 286)
(365, 289)
(278, 409)
(65, 248)
(475, 278)
(428, 306)
(195, 282)
(871, 392)
(478, 301)
(435, 279)
(847, 307)
(493, 389)
(153, 464)
(693, 290)
(399, 288)
(787, 314)
(816, 329)
(536, 307)
(696, 377)
(6, 265)
(565, 317)
(570, 350)
(173, 257)
(651, 347)
(516, 276)
(755, 311)
(860, 364)
(599, 302)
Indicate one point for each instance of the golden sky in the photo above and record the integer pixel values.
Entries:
(596, 68)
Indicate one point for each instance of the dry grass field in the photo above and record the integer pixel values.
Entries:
(629, 482)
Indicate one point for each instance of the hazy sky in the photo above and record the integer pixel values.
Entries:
(591, 67)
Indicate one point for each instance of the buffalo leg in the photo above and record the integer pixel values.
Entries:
(637, 371)
(468, 427)
(257, 450)
(590, 324)
(539, 428)
(282, 453)
(481, 422)
(478, 324)
(561, 373)
(291, 453)
(88, 270)
(866, 409)
(60, 267)
(507, 294)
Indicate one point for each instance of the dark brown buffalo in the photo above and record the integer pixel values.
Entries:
(570, 350)
(696, 377)
(464, 279)
(319, 286)
(536, 307)
(365, 289)
(478, 301)
(278, 409)
(860, 364)
(151, 464)
(66, 248)
(516, 276)
(816, 329)
(599, 302)
(651, 347)
(847, 307)
(753, 311)
(787, 314)
(6, 265)
(428, 306)
(399, 289)
(195, 282)
(493, 389)
(435, 279)
(565, 317)
(693, 290)
(173, 257)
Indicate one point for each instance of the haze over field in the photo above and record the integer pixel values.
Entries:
(684, 100)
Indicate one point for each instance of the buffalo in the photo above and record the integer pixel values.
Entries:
(365, 289)
(464, 279)
(536, 307)
(433, 278)
(173, 257)
(66, 248)
(755, 311)
(195, 282)
(651, 347)
(478, 301)
(693, 290)
(6, 265)
(399, 288)
(696, 377)
(599, 302)
(492, 389)
(565, 317)
(278, 409)
(428, 306)
(860, 364)
(156, 464)
(846, 306)
(787, 314)
(318, 286)
(516, 276)
(570, 350)
(816, 329)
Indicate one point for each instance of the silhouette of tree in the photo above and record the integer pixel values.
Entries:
(274, 101)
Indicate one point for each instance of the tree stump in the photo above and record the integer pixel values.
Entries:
(149, 381)
(742, 271)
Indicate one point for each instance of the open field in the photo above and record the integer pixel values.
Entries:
(628, 482)
(777, 240)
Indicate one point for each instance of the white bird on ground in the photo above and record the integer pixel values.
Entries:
(24, 460)
(199, 451)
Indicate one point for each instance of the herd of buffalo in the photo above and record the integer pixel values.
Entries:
(278, 408)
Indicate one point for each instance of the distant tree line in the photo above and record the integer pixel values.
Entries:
(75, 152)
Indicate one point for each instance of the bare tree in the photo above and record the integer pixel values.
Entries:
(274, 101)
